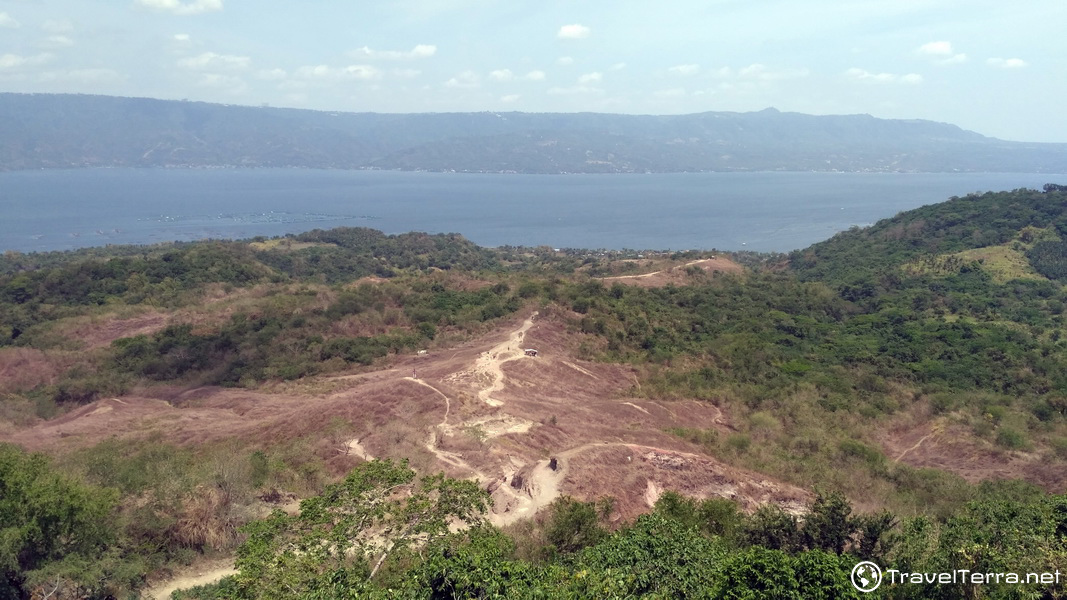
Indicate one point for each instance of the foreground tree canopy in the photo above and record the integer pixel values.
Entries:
(382, 534)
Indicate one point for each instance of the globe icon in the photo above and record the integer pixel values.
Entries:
(866, 576)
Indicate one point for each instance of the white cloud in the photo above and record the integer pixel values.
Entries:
(271, 74)
(53, 26)
(14, 61)
(178, 7)
(757, 73)
(213, 61)
(867, 76)
(181, 37)
(8, 21)
(466, 79)
(565, 61)
(406, 73)
(573, 32)
(419, 51)
(57, 41)
(594, 77)
(1007, 63)
(617, 66)
(326, 72)
(941, 48)
(942, 52)
(225, 83)
(510, 98)
(508, 75)
(684, 70)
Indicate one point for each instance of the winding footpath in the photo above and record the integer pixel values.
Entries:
(491, 362)
(540, 485)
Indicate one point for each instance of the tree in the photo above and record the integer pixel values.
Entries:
(345, 535)
(757, 573)
(657, 556)
(824, 576)
(772, 527)
(828, 526)
(51, 528)
(573, 525)
(475, 563)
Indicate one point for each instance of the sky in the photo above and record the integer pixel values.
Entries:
(995, 67)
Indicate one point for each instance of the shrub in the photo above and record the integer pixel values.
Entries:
(573, 525)
(1012, 439)
(739, 443)
(49, 521)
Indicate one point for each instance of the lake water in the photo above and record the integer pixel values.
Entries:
(60, 210)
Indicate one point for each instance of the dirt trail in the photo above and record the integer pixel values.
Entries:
(491, 361)
(916, 446)
(542, 484)
(579, 369)
(208, 573)
(541, 487)
(444, 456)
(511, 457)
(448, 402)
(452, 458)
(653, 273)
(524, 492)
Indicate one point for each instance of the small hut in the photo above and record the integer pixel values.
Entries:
(530, 352)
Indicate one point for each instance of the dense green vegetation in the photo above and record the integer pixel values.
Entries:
(285, 340)
(382, 533)
(35, 289)
(812, 356)
(684, 549)
(870, 255)
(56, 530)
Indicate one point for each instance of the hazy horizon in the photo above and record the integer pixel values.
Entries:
(983, 66)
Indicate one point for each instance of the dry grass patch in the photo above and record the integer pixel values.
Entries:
(287, 245)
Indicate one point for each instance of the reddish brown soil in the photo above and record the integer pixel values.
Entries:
(553, 405)
(96, 335)
(954, 448)
(677, 274)
(26, 368)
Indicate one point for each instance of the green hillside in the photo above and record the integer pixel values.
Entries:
(945, 324)
(974, 221)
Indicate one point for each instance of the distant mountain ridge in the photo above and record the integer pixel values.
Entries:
(72, 131)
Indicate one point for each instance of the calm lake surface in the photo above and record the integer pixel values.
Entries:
(61, 210)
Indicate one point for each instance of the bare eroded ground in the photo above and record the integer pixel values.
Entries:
(528, 428)
(676, 274)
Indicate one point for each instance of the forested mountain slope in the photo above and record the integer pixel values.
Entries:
(974, 221)
(69, 131)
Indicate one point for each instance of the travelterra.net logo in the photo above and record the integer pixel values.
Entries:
(866, 576)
